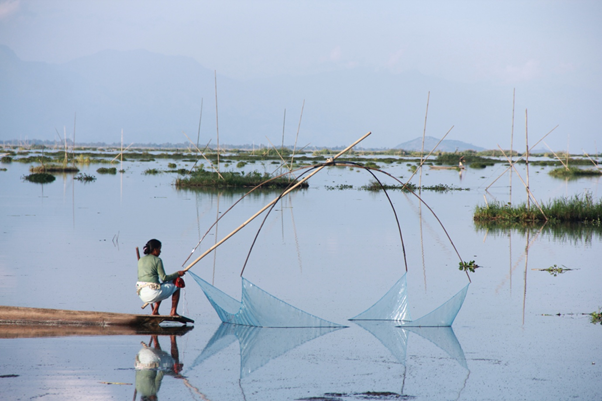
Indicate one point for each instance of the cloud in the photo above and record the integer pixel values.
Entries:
(8, 7)
(335, 54)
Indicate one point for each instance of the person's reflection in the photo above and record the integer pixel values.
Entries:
(152, 363)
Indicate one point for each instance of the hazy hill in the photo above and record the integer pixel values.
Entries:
(445, 145)
(153, 98)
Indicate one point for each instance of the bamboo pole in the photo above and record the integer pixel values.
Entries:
(527, 157)
(529, 193)
(520, 158)
(558, 157)
(512, 138)
(273, 202)
(216, 119)
(297, 136)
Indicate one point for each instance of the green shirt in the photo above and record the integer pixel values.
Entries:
(150, 270)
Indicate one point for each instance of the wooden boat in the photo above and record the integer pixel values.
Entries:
(16, 315)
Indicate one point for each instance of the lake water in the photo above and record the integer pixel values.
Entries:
(522, 334)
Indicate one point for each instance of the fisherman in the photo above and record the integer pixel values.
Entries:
(150, 271)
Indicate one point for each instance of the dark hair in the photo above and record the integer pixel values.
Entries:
(151, 246)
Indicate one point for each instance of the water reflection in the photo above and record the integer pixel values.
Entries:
(258, 345)
(395, 339)
(152, 364)
(572, 233)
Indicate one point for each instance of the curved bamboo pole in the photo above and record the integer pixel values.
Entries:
(273, 202)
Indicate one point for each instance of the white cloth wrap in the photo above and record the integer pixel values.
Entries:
(151, 292)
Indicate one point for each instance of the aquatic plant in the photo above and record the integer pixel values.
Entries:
(470, 266)
(596, 317)
(83, 177)
(375, 186)
(40, 178)
(82, 159)
(554, 270)
(53, 168)
(581, 209)
(151, 171)
(210, 179)
(6, 159)
(570, 172)
(172, 165)
(107, 170)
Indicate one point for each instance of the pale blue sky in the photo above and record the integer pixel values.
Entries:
(548, 45)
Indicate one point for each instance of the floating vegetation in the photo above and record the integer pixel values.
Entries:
(3, 169)
(596, 317)
(574, 172)
(578, 209)
(375, 186)
(6, 159)
(53, 168)
(339, 187)
(83, 177)
(470, 266)
(40, 178)
(151, 171)
(210, 179)
(554, 270)
(107, 170)
(172, 165)
(481, 165)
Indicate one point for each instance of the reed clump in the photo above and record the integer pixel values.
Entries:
(53, 168)
(232, 179)
(570, 172)
(578, 209)
(107, 170)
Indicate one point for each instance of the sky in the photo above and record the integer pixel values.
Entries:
(549, 45)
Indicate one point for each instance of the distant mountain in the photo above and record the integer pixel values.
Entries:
(154, 98)
(446, 145)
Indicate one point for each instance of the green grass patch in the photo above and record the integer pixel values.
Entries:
(6, 159)
(210, 179)
(578, 209)
(107, 170)
(151, 171)
(40, 178)
(574, 172)
(53, 168)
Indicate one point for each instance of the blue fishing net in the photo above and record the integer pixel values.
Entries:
(444, 315)
(258, 308)
(258, 345)
(395, 338)
(394, 306)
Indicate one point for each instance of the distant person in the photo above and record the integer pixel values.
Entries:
(153, 284)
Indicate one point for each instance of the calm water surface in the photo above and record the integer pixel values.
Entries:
(521, 334)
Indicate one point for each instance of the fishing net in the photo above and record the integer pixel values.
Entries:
(394, 306)
(258, 308)
(258, 345)
(395, 339)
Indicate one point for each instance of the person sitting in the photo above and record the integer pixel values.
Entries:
(150, 271)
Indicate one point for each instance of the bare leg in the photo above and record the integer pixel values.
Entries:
(156, 308)
(175, 298)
